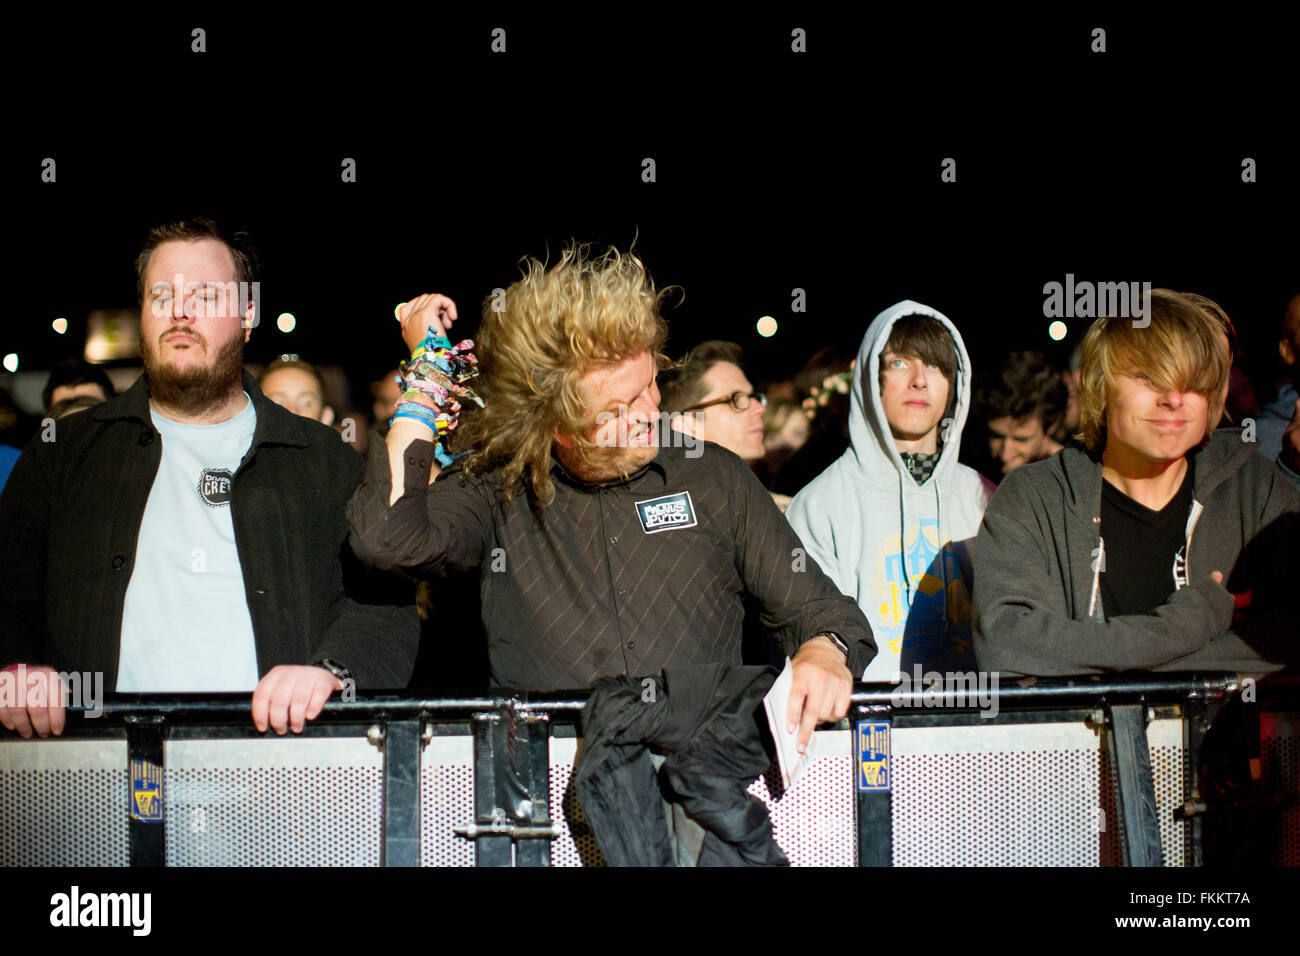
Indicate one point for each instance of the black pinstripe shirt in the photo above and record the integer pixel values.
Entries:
(623, 578)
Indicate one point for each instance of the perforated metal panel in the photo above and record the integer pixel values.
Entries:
(576, 844)
(813, 823)
(1169, 775)
(63, 803)
(982, 795)
(1280, 772)
(1021, 795)
(446, 801)
(275, 802)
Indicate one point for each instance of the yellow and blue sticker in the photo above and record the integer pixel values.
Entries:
(146, 791)
(873, 756)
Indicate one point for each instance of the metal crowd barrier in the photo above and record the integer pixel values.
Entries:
(1078, 772)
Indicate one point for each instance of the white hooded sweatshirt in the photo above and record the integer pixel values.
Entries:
(900, 549)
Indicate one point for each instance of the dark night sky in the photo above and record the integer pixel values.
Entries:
(774, 172)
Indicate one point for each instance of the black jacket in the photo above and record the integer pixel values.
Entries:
(591, 585)
(70, 517)
(711, 722)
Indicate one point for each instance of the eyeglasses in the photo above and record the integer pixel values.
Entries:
(737, 400)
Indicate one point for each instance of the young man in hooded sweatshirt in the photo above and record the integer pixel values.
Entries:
(892, 519)
(1115, 556)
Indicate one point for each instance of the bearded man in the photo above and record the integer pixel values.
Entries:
(188, 535)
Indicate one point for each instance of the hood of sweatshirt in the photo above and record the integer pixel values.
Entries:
(899, 548)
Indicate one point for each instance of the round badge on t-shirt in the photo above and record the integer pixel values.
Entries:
(214, 486)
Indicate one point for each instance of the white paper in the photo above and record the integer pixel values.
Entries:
(788, 758)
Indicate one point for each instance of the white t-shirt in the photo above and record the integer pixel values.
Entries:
(185, 625)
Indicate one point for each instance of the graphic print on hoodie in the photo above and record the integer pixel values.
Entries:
(898, 548)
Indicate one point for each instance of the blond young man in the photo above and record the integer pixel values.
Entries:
(1135, 551)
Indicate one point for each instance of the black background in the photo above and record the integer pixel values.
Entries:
(774, 171)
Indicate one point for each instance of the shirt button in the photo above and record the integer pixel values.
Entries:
(622, 592)
(631, 644)
(119, 562)
(146, 438)
(613, 539)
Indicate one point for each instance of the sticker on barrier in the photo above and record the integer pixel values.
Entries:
(146, 791)
(873, 756)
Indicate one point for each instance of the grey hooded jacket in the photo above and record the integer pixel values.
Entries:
(1039, 555)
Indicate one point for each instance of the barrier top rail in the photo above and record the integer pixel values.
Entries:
(1016, 694)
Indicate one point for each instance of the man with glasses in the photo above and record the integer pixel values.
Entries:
(709, 397)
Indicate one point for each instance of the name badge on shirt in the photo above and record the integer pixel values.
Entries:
(666, 512)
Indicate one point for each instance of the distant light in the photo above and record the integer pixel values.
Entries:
(286, 322)
(11, 362)
(60, 325)
(1056, 330)
(767, 326)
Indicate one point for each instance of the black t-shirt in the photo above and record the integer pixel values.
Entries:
(1145, 554)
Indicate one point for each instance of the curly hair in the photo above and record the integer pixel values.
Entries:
(536, 342)
(1179, 349)
(1026, 386)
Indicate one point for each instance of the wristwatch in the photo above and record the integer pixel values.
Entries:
(335, 668)
(838, 642)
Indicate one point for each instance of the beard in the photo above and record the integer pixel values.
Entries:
(192, 390)
(610, 463)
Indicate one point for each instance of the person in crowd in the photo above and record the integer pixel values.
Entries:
(1278, 426)
(1069, 423)
(384, 395)
(298, 386)
(709, 397)
(12, 435)
(891, 520)
(1135, 551)
(823, 388)
(74, 378)
(785, 430)
(189, 535)
(601, 552)
(69, 406)
(1022, 404)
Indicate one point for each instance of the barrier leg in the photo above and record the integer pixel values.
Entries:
(512, 789)
(873, 787)
(402, 793)
(1137, 794)
(145, 797)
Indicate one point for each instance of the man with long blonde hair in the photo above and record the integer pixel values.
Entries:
(1135, 551)
(601, 552)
